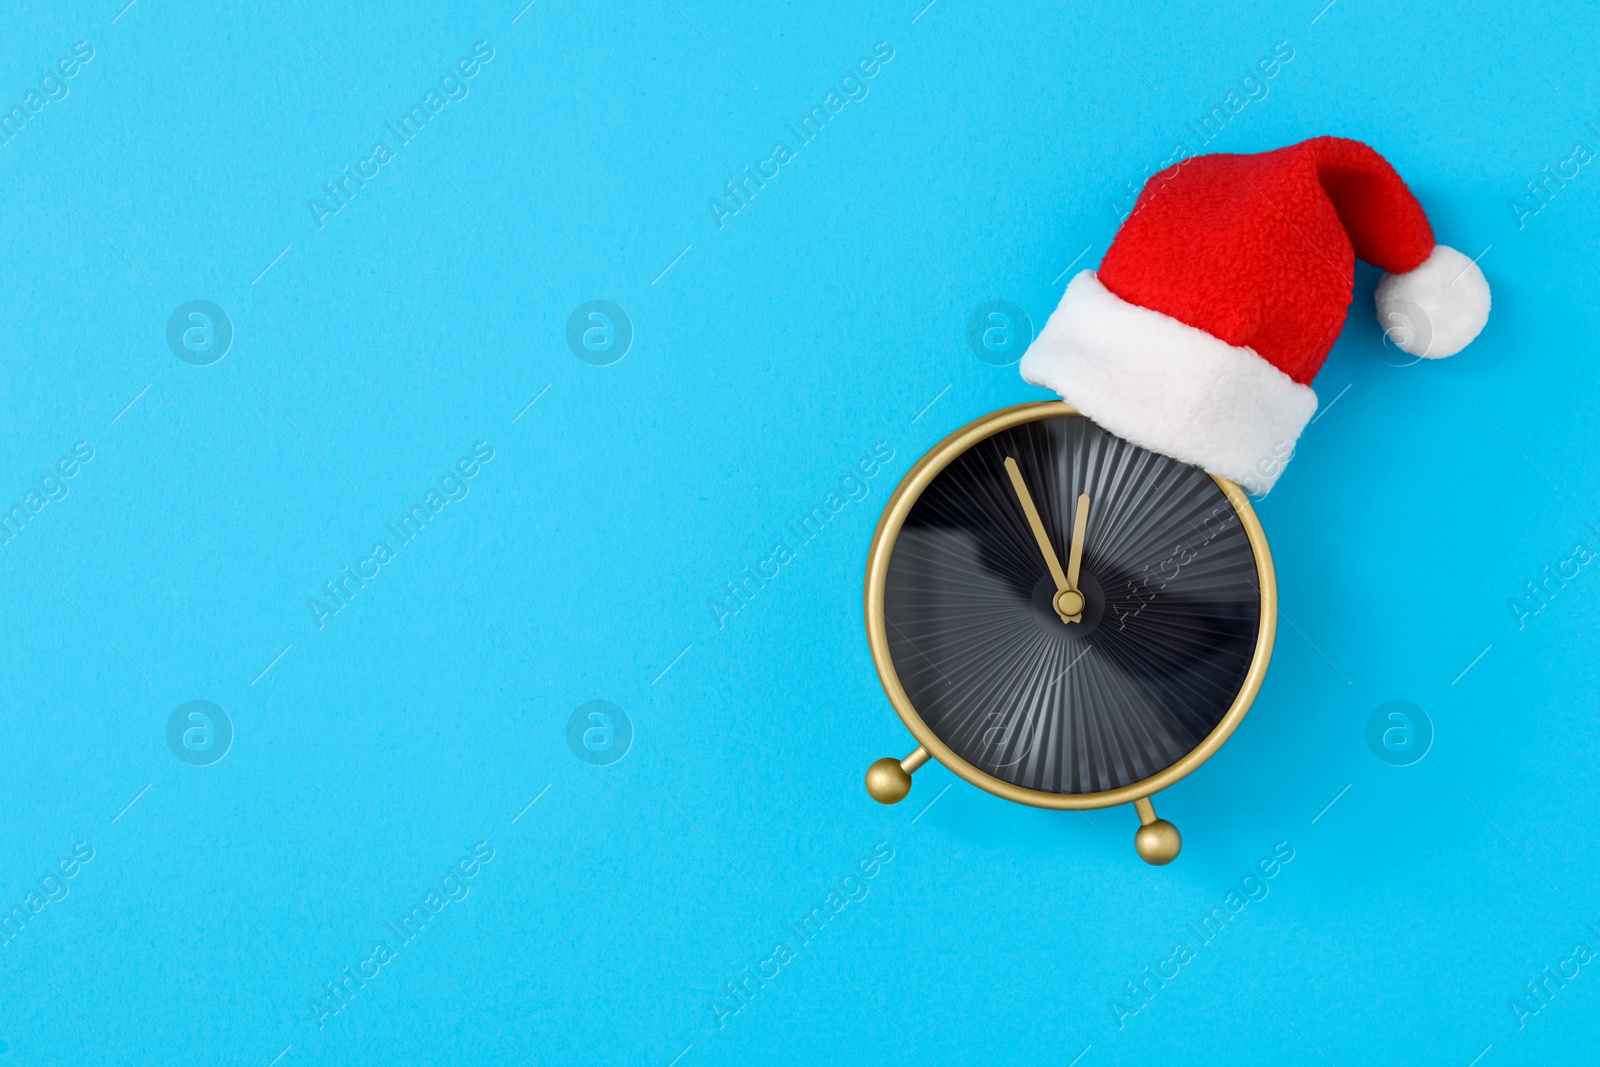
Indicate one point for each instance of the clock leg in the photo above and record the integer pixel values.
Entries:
(1157, 840)
(889, 779)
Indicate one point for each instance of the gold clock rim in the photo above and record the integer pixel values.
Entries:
(905, 496)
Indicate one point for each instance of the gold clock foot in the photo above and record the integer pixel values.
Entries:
(889, 779)
(1157, 840)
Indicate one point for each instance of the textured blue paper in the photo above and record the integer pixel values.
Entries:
(429, 721)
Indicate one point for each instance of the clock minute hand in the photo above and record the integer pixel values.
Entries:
(1068, 602)
(1037, 524)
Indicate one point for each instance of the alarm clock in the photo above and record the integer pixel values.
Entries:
(1064, 618)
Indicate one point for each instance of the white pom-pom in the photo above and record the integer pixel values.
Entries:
(1437, 309)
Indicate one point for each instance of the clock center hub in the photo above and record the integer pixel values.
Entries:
(1045, 599)
(1068, 602)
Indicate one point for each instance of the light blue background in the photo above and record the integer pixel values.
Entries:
(827, 316)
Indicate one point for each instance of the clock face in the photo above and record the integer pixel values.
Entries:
(1167, 632)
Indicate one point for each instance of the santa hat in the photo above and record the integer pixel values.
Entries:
(1226, 287)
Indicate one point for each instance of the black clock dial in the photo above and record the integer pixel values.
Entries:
(1168, 632)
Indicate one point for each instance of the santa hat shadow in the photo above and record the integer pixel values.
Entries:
(1222, 293)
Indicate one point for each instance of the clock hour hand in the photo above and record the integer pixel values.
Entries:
(1080, 525)
(1068, 602)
